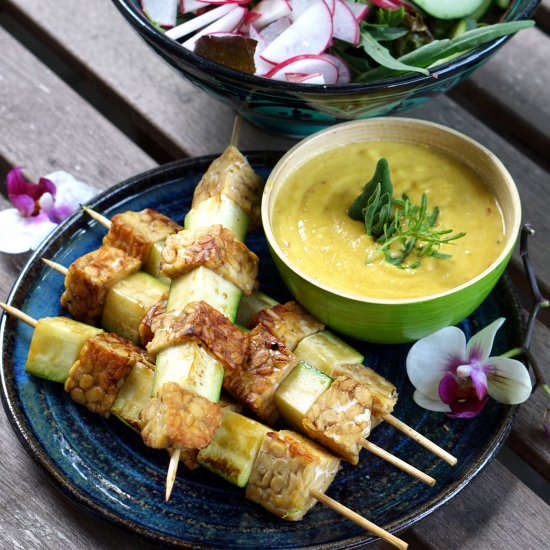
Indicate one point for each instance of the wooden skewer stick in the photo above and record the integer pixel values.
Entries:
(105, 222)
(397, 462)
(55, 266)
(19, 314)
(172, 471)
(235, 134)
(360, 520)
(420, 439)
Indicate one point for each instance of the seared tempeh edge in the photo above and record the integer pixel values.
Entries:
(145, 331)
(102, 367)
(288, 467)
(200, 320)
(137, 232)
(214, 247)
(231, 175)
(89, 278)
(290, 323)
(340, 418)
(178, 418)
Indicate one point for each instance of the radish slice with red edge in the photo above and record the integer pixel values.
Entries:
(219, 2)
(190, 6)
(331, 5)
(275, 29)
(344, 72)
(360, 11)
(309, 34)
(227, 23)
(262, 66)
(300, 78)
(269, 11)
(345, 26)
(306, 64)
(199, 22)
(162, 12)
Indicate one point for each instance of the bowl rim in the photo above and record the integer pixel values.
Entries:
(266, 85)
(510, 237)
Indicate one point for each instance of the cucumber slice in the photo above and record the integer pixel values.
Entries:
(299, 391)
(219, 209)
(56, 345)
(449, 9)
(232, 451)
(133, 395)
(250, 305)
(152, 265)
(192, 367)
(203, 284)
(324, 350)
(127, 303)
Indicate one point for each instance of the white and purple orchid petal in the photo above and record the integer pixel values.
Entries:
(448, 388)
(425, 402)
(70, 194)
(479, 381)
(25, 233)
(25, 204)
(17, 184)
(432, 357)
(480, 344)
(508, 380)
(467, 408)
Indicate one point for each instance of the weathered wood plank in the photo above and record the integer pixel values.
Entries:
(47, 127)
(496, 511)
(104, 50)
(497, 91)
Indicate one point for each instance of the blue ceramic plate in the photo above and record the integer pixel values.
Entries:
(103, 465)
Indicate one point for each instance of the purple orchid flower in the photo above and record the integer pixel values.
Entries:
(456, 377)
(39, 207)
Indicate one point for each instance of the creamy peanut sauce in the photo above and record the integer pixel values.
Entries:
(311, 224)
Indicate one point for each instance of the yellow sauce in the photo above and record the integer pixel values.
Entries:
(311, 224)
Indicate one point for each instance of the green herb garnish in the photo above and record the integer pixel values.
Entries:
(402, 228)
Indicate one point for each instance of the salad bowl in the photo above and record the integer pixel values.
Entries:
(298, 109)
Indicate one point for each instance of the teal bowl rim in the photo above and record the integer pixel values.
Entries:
(511, 232)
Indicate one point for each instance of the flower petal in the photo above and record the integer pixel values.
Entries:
(479, 381)
(432, 357)
(467, 409)
(24, 204)
(25, 233)
(448, 388)
(508, 380)
(17, 184)
(430, 404)
(480, 344)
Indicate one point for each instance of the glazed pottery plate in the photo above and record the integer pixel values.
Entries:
(103, 465)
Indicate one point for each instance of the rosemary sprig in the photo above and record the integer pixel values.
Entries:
(401, 227)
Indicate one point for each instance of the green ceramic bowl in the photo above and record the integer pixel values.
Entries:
(391, 320)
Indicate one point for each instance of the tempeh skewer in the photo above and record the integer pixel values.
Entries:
(306, 451)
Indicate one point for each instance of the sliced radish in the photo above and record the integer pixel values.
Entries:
(344, 73)
(162, 12)
(309, 34)
(306, 64)
(345, 26)
(190, 6)
(199, 22)
(301, 78)
(360, 11)
(227, 23)
(269, 11)
(262, 66)
(275, 29)
(331, 5)
(218, 2)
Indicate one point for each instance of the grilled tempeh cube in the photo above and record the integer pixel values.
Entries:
(290, 323)
(287, 468)
(214, 247)
(145, 331)
(103, 365)
(89, 278)
(232, 176)
(340, 418)
(137, 232)
(384, 393)
(268, 363)
(178, 418)
(200, 320)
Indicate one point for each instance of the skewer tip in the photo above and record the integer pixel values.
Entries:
(171, 475)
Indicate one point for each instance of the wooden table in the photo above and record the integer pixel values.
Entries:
(79, 91)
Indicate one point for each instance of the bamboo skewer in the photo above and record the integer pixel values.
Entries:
(397, 462)
(105, 222)
(420, 439)
(340, 509)
(360, 520)
(371, 447)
